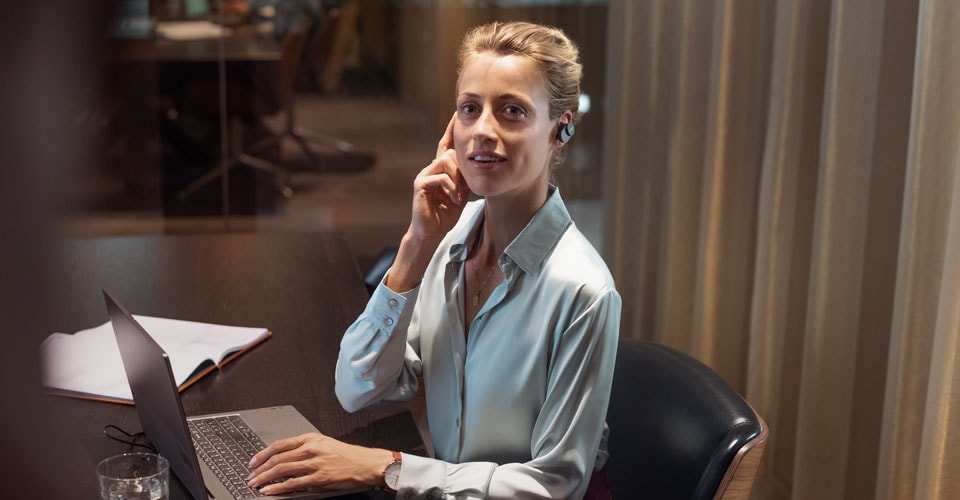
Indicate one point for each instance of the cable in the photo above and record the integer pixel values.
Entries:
(132, 437)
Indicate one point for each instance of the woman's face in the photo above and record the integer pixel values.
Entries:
(503, 135)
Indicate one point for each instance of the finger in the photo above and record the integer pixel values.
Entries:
(446, 142)
(452, 168)
(278, 471)
(461, 193)
(444, 163)
(448, 162)
(281, 462)
(288, 486)
(443, 166)
(276, 489)
(435, 167)
(275, 447)
(433, 184)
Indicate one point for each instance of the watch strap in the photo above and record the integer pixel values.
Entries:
(391, 472)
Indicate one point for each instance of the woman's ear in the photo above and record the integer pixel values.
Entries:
(565, 129)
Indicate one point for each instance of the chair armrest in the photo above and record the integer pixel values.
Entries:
(738, 481)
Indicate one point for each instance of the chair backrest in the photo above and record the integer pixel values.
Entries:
(285, 77)
(380, 266)
(677, 430)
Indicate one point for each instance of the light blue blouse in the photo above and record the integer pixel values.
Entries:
(517, 408)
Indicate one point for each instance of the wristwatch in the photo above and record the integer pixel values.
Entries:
(391, 475)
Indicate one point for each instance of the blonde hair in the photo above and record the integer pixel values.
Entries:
(557, 58)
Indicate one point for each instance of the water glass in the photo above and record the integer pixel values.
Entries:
(134, 476)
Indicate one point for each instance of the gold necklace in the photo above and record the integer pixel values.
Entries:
(476, 274)
(476, 270)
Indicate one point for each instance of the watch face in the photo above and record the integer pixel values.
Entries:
(391, 475)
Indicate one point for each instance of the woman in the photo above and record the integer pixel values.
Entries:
(501, 304)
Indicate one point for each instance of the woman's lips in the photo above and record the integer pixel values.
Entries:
(486, 160)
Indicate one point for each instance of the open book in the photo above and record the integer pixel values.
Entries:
(87, 364)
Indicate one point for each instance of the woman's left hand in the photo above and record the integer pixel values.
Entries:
(317, 462)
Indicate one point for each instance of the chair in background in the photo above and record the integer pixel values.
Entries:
(677, 430)
(380, 266)
(338, 23)
(249, 101)
(333, 37)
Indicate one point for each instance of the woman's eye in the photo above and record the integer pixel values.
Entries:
(514, 111)
(468, 109)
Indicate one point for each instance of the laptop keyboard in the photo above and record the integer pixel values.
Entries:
(226, 445)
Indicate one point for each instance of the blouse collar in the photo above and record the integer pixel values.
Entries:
(530, 248)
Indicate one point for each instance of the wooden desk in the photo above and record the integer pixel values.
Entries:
(240, 44)
(306, 288)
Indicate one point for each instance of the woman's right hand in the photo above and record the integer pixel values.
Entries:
(316, 462)
(440, 192)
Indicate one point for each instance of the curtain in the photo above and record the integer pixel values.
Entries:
(782, 201)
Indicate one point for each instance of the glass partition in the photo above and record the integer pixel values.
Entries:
(296, 115)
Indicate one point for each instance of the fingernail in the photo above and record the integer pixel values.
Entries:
(253, 462)
(267, 490)
(251, 476)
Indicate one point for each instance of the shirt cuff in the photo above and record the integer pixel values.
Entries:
(421, 477)
(391, 308)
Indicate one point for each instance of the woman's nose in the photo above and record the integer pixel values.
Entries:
(485, 126)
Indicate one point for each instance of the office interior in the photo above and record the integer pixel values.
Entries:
(324, 129)
(773, 184)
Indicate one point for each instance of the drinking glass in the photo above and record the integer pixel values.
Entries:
(134, 476)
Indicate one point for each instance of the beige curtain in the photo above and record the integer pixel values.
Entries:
(783, 202)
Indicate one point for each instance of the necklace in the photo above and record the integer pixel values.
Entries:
(476, 271)
(476, 274)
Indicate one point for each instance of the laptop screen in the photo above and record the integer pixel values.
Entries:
(156, 397)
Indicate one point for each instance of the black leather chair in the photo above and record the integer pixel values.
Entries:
(380, 267)
(677, 430)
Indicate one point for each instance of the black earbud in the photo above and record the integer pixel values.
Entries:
(565, 131)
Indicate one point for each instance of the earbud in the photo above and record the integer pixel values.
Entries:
(565, 131)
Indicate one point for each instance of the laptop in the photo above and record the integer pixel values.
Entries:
(186, 442)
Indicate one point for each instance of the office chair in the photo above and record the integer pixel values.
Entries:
(330, 43)
(329, 23)
(677, 430)
(380, 266)
(247, 101)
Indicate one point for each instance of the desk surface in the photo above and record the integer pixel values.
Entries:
(306, 288)
(240, 44)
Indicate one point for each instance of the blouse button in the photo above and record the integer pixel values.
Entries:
(458, 422)
(393, 302)
(388, 321)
